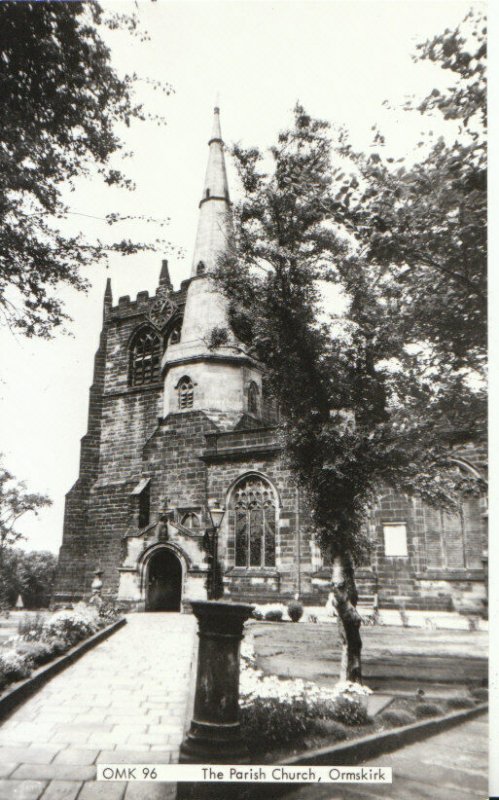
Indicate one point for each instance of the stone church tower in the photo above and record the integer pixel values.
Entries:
(175, 423)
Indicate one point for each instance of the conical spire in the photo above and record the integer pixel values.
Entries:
(164, 275)
(214, 226)
(108, 297)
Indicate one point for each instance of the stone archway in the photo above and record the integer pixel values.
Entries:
(164, 581)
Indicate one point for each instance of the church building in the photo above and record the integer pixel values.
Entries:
(177, 426)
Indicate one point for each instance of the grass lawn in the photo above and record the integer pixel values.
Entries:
(395, 659)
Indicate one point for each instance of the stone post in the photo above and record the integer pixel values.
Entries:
(214, 736)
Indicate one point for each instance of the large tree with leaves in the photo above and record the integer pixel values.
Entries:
(60, 102)
(15, 502)
(422, 226)
(362, 402)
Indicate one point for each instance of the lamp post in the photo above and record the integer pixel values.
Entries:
(217, 513)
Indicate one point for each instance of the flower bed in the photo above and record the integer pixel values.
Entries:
(44, 637)
(281, 716)
(280, 712)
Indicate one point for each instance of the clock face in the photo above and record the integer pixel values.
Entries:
(161, 311)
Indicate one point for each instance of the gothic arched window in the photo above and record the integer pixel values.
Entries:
(185, 390)
(200, 269)
(145, 358)
(253, 397)
(175, 334)
(253, 507)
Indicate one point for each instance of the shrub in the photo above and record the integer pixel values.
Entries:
(72, 626)
(330, 728)
(350, 711)
(480, 693)
(268, 723)
(460, 702)
(274, 615)
(108, 612)
(295, 611)
(15, 666)
(30, 627)
(38, 652)
(396, 719)
(257, 614)
(424, 710)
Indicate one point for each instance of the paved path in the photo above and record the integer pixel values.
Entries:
(124, 701)
(449, 766)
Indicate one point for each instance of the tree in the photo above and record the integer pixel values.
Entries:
(61, 101)
(358, 409)
(422, 227)
(36, 575)
(15, 502)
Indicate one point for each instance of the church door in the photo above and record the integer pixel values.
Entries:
(164, 584)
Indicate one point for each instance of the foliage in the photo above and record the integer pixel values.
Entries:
(371, 396)
(109, 612)
(424, 710)
(14, 666)
(36, 576)
(269, 723)
(15, 502)
(38, 652)
(350, 711)
(295, 611)
(273, 615)
(480, 693)
(30, 627)
(394, 718)
(460, 702)
(61, 103)
(71, 626)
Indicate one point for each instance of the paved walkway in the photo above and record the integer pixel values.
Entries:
(123, 702)
(452, 765)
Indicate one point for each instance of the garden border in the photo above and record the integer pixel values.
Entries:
(356, 751)
(24, 689)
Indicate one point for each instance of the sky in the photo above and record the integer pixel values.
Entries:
(341, 60)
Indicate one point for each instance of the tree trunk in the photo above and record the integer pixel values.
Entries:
(349, 620)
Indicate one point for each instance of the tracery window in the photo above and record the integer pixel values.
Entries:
(185, 390)
(145, 358)
(253, 508)
(253, 396)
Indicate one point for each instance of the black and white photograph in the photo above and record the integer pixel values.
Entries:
(243, 398)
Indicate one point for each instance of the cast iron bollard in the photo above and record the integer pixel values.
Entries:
(214, 736)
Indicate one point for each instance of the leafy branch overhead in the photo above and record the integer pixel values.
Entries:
(61, 103)
(381, 392)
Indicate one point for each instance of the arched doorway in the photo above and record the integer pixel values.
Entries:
(164, 582)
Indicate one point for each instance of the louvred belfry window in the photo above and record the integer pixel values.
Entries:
(145, 358)
(254, 516)
(185, 393)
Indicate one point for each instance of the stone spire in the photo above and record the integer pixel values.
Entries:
(108, 297)
(214, 225)
(164, 276)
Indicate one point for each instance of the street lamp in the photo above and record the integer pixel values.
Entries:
(216, 512)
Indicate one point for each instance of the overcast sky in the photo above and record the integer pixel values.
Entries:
(340, 59)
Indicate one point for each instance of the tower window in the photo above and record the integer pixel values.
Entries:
(175, 334)
(201, 269)
(253, 398)
(145, 358)
(185, 393)
(253, 509)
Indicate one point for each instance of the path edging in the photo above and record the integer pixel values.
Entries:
(24, 689)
